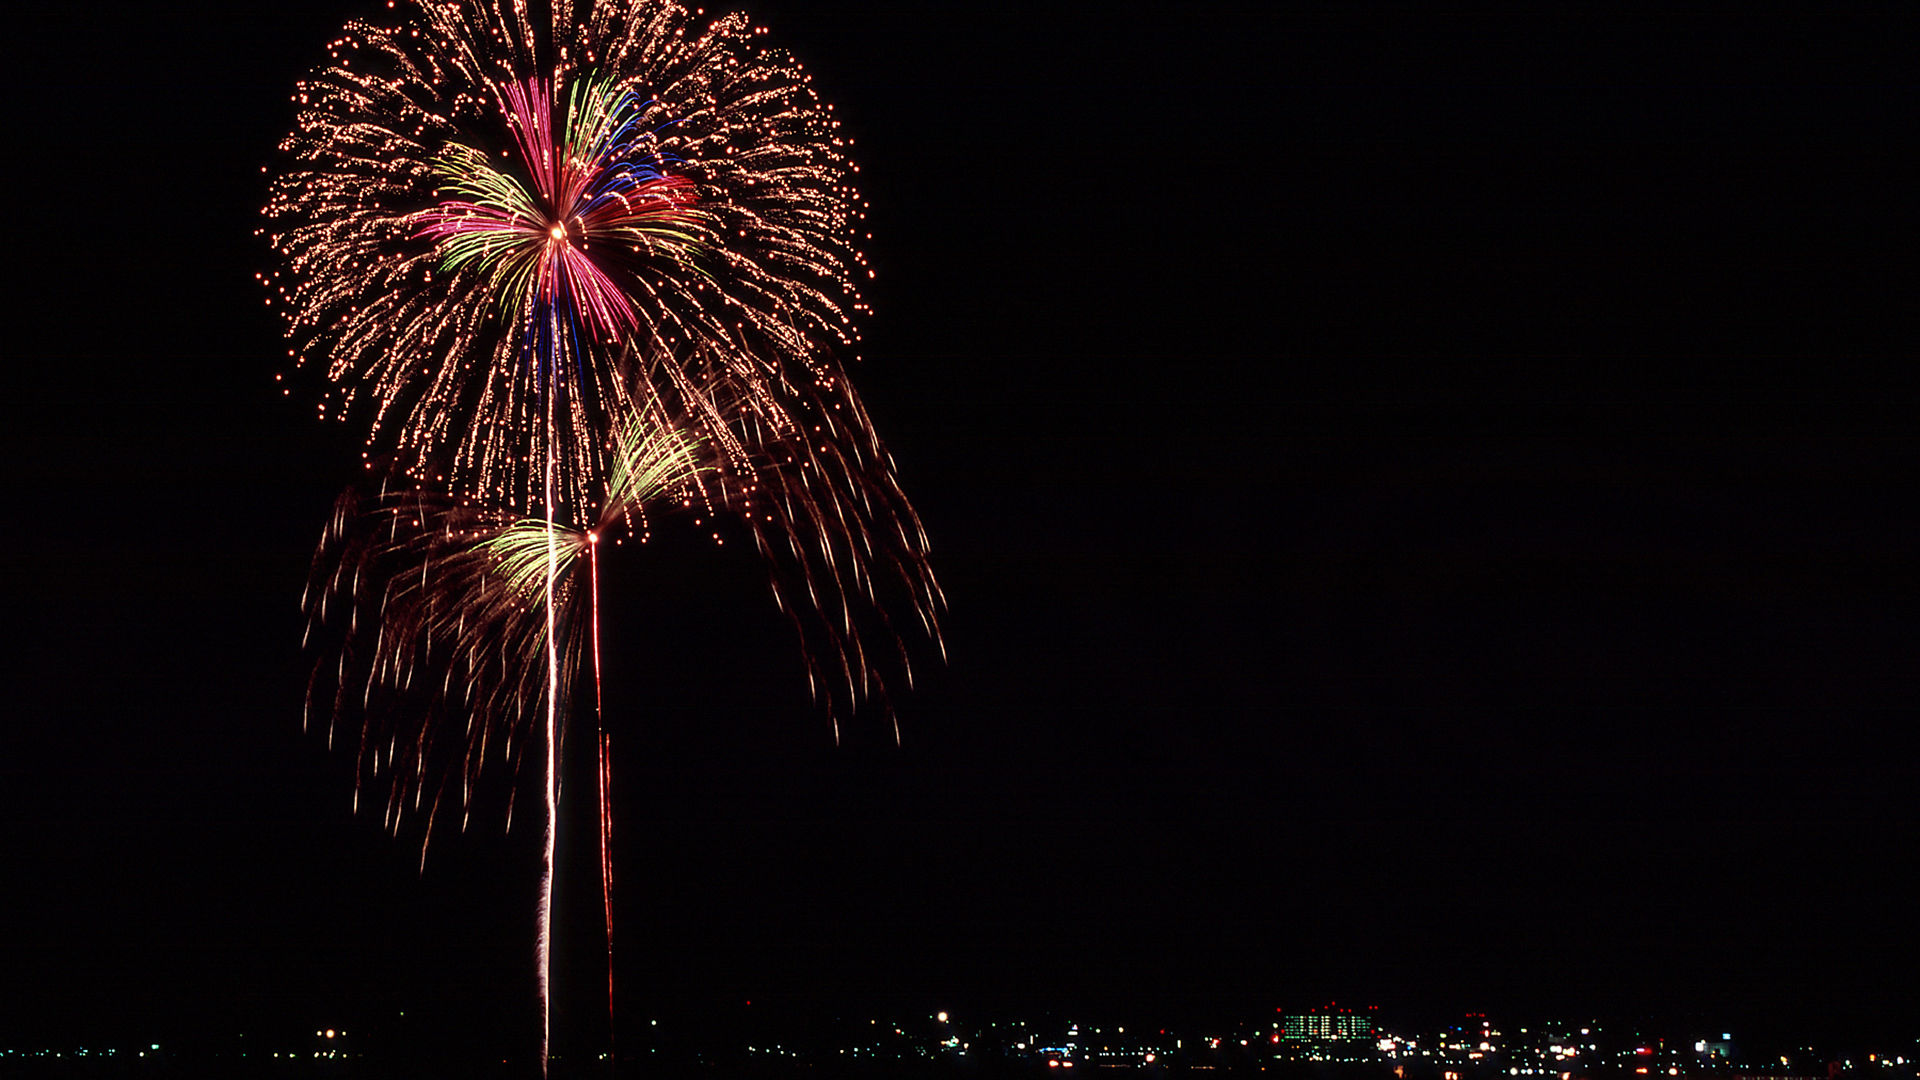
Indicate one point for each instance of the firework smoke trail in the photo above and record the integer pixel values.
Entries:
(606, 872)
(502, 243)
(602, 745)
(544, 952)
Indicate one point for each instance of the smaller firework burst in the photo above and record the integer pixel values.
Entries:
(444, 599)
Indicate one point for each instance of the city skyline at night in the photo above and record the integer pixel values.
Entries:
(1327, 1039)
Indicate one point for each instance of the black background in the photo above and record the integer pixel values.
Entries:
(1427, 504)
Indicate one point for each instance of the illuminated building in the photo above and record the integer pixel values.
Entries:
(1329, 1024)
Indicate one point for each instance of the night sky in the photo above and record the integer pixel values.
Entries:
(1427, 503)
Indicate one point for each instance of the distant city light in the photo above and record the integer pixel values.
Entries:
(1460, 1051)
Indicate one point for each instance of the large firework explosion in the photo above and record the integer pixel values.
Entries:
(466, 217)
(569, 271)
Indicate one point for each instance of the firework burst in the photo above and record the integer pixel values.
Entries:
(570, 274)
(474, 211)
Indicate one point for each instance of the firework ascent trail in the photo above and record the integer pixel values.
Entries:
(601, 270)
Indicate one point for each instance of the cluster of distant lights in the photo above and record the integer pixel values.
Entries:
(329, 1034)
(80, 1052)
(1479, 1046)
(1064, 1055)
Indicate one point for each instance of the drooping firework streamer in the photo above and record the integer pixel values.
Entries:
(500, 241)
(435, 601)
(445, 585)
